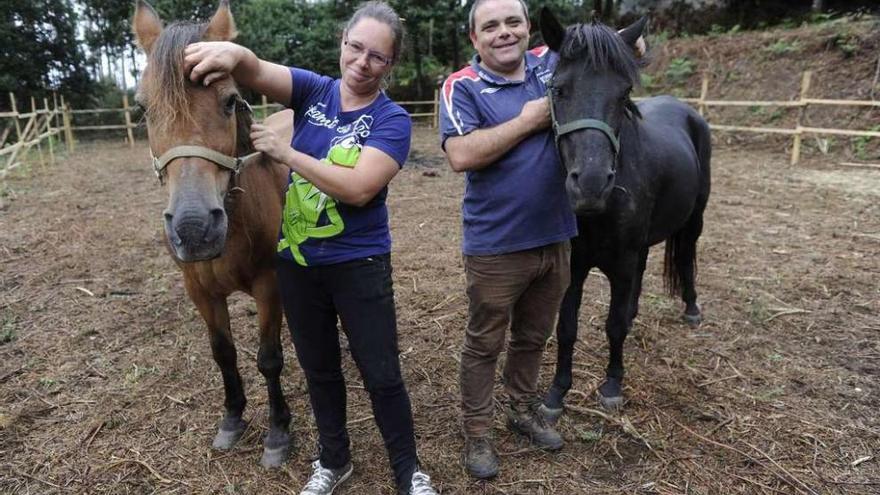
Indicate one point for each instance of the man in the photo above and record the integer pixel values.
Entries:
(517, 223)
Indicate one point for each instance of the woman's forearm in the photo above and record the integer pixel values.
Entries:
(353, 186)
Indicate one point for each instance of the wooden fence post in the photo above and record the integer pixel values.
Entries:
(127, 120)
(435, 119)
(264, 102)
(16, 118)
(68, 128)
(55, 113)
(796, 146)
(49, 131)
(37, 131)
(704, 92)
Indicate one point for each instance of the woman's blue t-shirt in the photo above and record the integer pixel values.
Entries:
(317, 229)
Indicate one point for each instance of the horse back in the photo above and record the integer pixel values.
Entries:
(674, 155)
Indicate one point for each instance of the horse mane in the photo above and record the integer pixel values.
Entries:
(601, 48)
(167, 95)
(243, 143)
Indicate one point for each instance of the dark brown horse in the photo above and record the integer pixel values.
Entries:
(637, 175)
(224, 211)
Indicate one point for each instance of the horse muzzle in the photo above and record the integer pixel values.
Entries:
(196, 237)
(588, 195)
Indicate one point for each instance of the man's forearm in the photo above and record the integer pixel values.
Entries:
(483, 147)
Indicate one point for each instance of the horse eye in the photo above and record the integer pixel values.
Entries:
(231, 102)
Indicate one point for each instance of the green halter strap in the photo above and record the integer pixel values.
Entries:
(576, 125)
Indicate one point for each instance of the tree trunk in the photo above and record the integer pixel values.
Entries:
(417, 57)
(453, 34)
(609, 13)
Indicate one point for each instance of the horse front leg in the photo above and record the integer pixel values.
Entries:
(270, 362)
(566, 336)
(637, 292)
(623, 284)
(216, 315)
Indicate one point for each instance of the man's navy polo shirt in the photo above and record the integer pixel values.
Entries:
(518, 202)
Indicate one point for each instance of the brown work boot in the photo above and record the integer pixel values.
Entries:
(480, 458)
(530, 423)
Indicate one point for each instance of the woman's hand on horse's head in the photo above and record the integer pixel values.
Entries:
(265, 139)
(209, 61)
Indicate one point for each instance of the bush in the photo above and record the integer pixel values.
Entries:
(679, 70)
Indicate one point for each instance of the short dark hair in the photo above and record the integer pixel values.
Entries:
(385, 14)
(477, 3)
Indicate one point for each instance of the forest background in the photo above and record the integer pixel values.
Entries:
(84, 49)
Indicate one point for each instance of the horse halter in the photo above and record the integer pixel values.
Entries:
(233, 163)
(560, 130)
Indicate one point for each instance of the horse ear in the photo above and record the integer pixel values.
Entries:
(632, 35)
(222, 25)
(146, 25)
(551, 30)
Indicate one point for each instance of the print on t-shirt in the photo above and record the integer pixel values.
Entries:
(310, 212)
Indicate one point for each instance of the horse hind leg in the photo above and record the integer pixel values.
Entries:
(270, 361)
(216, 315)
(683, 247)
(566, 336)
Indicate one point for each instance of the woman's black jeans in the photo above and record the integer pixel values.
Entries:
(360, 293)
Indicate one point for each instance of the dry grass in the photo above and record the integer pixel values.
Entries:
(107, 383)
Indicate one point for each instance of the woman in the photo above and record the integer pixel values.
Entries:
(349, 141)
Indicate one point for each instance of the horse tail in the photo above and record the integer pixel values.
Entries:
(671, 279)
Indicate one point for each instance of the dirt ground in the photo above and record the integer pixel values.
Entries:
(107, 384)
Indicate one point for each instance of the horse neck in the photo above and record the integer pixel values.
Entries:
(630, 146)
(259, 197)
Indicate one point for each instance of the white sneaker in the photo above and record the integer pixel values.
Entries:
(323, 481)
(421, 484)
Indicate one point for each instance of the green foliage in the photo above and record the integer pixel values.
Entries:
(846, 41)
(679, 70)
(717, 29)
(860, 144)
(299, 33)
(7, 330)
(820, 17)
(136, 373)
(648, 81)
(781, 47)
(788, 23)
(658, 38)
(406, 73)
(39, 49)
(587, 435)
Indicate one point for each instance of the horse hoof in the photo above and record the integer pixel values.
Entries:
(693, 321)
(614, 403)
(226, 439)
(274, 457)
(551, 415)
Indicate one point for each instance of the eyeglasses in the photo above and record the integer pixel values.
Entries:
(375, 58)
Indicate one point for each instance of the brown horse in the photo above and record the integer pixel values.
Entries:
(224, 211)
